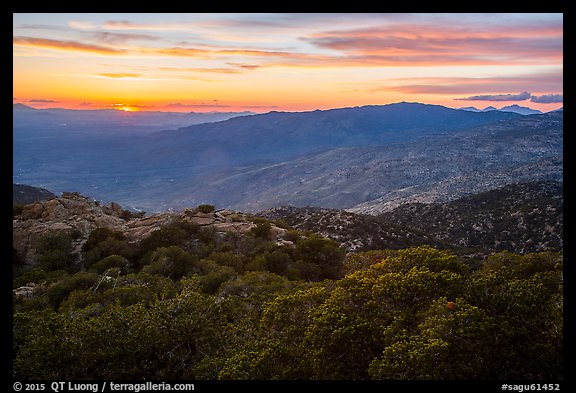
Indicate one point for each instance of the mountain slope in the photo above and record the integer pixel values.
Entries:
(526, 149)
(277, 136)
(355, 232)
(375, 179)
(524, 217)
(520, 218)
(23, 194)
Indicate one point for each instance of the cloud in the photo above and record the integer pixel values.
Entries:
(498, 97)
(37, 26)
(41, 101)
(246, 66)
(428, 43)
(392, 40)
(65, 45)
(201, 70)
(178, 52)
(81, 25)
(119, 75)
(121, 38)
(548, 98)
(539, 81)
(198, 105)
(127, 25)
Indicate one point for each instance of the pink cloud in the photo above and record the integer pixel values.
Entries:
(426, 44)
(65, 45)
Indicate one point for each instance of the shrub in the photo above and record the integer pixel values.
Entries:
(206, 208)
(109, 262)
(54, 251)
(17, 209)
(172, 262)
(100, 234)
(58, 292)
(262, 230)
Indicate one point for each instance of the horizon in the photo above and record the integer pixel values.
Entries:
(495, 107)
(286, 62)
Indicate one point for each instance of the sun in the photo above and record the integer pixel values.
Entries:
(125, 107)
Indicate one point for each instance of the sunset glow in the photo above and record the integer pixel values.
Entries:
(291, 62)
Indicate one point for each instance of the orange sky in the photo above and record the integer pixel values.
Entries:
(293, 62)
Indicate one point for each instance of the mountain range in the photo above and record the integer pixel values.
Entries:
(367, 159)
(523, 110)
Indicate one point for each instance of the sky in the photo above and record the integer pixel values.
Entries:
(286, 62)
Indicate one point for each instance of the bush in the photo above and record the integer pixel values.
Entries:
(109, 262)
(322, 253)
(206, 208)
(172, 262)
(17, 209)
(58, 292)
(99, 235)
(262, 230)
(229, 258)
(107, 247)
(128, 215)
(54, 251)
(217, 275)
(177, 233)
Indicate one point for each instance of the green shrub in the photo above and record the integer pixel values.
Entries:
(206, 208)
(109, 262)
(59, 291)
(17, 209)
(172, 262)
(54, 251)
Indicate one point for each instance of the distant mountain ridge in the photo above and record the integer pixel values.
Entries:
(111, 120)
(23, 194)
(515, 108)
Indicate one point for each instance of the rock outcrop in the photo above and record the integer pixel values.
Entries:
(79, 216)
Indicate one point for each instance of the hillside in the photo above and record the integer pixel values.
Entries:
(374, 179)
(23, 194)
(524, 217)
(355, 232)
(526, 149)
(521, 218)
